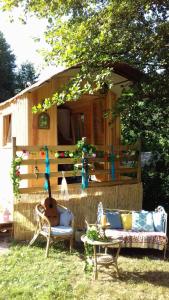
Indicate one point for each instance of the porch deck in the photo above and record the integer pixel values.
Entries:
(124, 191)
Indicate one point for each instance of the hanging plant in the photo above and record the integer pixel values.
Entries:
(15, 174)
(83, 149)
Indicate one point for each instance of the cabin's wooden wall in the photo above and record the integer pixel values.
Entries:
(20, 121)
(19, 111)
(41, 136)
(83, 205)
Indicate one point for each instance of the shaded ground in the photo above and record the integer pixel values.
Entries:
(5, 241)
(4, 247)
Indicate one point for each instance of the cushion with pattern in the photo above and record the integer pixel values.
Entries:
(142, 221)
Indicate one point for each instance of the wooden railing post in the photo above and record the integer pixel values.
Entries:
(13, 147)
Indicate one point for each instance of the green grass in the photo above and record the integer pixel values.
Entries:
(26, 274)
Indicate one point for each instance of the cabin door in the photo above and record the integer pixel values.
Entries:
(72, 125)
(81, 124)
(85, 120)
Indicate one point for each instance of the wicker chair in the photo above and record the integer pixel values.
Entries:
(58, 233)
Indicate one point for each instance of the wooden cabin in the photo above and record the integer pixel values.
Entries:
(26, 135)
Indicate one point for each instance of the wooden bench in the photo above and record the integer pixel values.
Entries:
(140, 239)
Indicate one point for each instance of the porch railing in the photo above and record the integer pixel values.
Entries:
(127, 166)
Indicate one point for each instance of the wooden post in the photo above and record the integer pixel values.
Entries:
(113, 132)
(13, 147)
(13, 151)
(14, 200)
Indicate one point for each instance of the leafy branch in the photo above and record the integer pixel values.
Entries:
(15, 174)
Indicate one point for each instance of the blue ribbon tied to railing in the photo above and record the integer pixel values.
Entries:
(47, 167)
(112, 161)
(85, 173)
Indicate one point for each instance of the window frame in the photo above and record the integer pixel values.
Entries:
(7, 129)
(42, 125)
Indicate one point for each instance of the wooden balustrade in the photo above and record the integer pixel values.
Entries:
(128, 170)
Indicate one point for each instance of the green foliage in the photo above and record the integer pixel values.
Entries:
(12, 81)
(7, 70)
(93, 234)
(83, 147)
(15, 174)
(155, 178)
(97, 33)
(26, 75)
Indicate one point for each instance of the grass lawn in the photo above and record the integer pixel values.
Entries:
(26, 274)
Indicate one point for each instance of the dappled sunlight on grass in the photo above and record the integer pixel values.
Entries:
(26, 274)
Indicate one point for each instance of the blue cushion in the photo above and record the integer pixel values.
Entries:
(158, 221)
(142, 221)
(114, 219)
(65, 218)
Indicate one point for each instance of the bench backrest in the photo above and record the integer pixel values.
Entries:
(158, 209)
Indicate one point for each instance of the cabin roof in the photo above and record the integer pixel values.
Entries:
(123, 69)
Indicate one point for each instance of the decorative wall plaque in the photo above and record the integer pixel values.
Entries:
(43, 121)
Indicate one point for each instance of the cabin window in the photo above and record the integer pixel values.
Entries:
(7, 124)
(43, 121)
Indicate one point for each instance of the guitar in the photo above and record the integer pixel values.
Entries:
(50, 206)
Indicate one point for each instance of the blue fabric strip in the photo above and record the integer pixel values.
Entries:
(47, 168)
(112, 159)
(85, 175)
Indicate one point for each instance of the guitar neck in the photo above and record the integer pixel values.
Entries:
(48, 181)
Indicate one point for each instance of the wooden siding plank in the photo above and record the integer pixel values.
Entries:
(116, 148)
(74, 186)
(78, 173)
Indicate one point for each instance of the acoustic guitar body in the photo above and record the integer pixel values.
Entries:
(50, 206)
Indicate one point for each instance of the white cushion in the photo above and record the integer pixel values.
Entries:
(61, 230)
(65, 218)
(158, 218)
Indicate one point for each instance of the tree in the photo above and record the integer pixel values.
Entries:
(25, 76)
(97, 33)
(7, 70)
(13, 81)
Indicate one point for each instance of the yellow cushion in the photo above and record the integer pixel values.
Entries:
(126, 221)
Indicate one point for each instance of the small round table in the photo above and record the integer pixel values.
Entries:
(103, 259)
